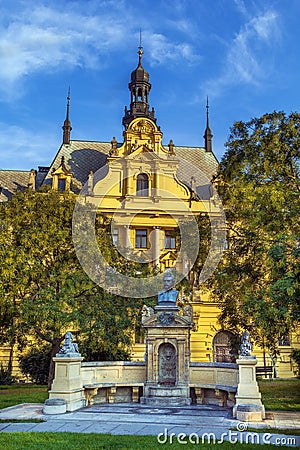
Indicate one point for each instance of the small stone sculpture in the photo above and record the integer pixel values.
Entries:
(147, 312)
(246, 347)
(69, 348)
(91, 183)
(114, 147)
(187, 312)
(169, 294)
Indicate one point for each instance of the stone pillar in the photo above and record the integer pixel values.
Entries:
(156, 246)
(67, 383)
(248, 406)
(127, 236)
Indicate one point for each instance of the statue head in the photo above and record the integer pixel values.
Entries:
(169, 280)
(69, 335)
(246, 337)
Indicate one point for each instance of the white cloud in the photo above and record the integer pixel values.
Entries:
(46, 38)
(162, 51)
(247, 60)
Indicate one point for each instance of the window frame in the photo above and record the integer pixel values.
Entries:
(169, 240)
(142, 185)
(141, 238)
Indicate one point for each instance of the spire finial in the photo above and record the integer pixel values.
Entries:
(67, 124)
(207, 112)
(68, 103)
(140, 52)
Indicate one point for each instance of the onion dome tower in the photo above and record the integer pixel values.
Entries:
(139, 87)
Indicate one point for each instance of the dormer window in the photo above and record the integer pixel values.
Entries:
(62, 184)
(61, 177)
(142, 185)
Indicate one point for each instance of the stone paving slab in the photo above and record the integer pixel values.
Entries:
(150, 429)
(75, 427)
(101, 428)
(128, 428)
(23, 411)
(17, 427)
(47, 426)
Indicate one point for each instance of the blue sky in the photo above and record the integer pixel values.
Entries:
(243, 54)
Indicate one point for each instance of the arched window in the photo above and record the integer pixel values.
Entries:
(223, 347)
(142, 185)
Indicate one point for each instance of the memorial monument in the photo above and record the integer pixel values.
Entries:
(248, 406)
(167, 349)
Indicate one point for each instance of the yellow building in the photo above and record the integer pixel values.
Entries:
(147, 188)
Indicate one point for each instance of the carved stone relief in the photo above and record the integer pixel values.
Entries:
(167, 365)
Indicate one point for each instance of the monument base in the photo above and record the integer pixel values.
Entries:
(248, 406)
(165, 401)
(250, 413)
(166, 396)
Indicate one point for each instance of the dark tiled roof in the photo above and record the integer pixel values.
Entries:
(81, 157)
(11, 181)
(196, 162)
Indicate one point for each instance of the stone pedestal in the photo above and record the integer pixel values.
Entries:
(248, 406)
(67, 382)
(167, 356)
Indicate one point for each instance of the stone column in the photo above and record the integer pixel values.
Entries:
(156, 246)
(67, 383)
(127, 236)
(248, 406)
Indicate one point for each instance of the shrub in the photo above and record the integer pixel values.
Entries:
(295, 355)
(35, 363)
(5, 376)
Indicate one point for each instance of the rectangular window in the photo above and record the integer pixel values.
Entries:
(61, 184)
(170, 239)
(141, 238)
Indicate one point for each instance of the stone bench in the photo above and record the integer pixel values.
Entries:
(223, 395)
(91, 390)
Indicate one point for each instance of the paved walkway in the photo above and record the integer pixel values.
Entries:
(136, 419)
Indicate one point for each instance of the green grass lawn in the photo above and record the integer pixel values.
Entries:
(22, 393)
(280, 395)
(77, 441)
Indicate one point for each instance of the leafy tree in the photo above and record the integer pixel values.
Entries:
(43, 290)
(35, 363)
(257, 282)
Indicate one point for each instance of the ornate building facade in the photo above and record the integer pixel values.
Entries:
(151, 186)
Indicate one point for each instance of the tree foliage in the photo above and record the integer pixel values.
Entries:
(43, 290)
(257, 282)
(35, 363)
